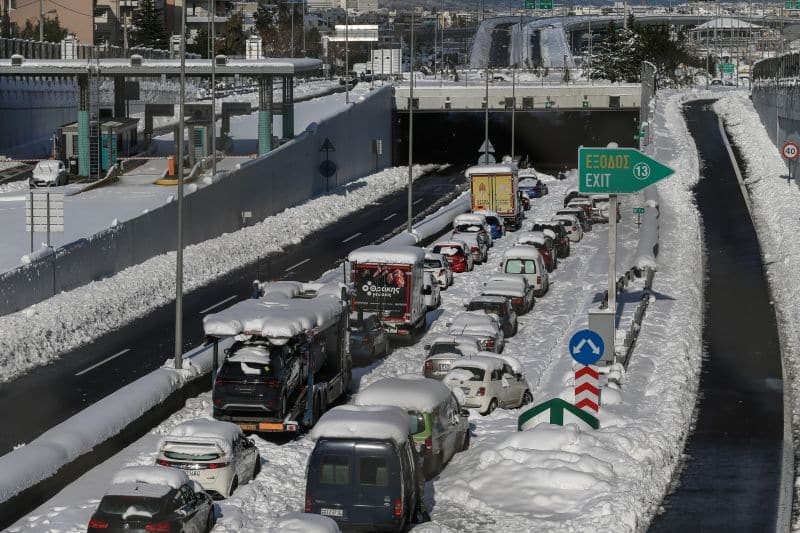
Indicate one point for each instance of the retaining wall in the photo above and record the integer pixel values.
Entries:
(265, 186)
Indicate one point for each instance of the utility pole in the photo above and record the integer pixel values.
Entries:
(41, 21)
(411, 127)
(486, 116)
(179, 249)
(212, 55)
(346, 54)
(292, 34)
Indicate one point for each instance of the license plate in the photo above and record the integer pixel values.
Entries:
(192, 472)
(270, 426)
(331, 512)
(245, 390)
(444, 366)
(248, 427)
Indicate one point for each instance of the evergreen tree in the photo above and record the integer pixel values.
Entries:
(8, 29)
(233, 41)
(200, 44)
(148, 24)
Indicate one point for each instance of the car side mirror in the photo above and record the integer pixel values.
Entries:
(448, 324)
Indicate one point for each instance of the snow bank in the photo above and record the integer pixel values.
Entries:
(304, 523)
(773, 203)
(41, 253)
(43, 332)
(648, 238)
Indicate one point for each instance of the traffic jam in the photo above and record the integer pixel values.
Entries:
(290, 363)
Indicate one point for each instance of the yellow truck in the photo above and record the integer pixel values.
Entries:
(496, 188)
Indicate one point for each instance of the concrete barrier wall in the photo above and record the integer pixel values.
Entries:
(779, 109)
(283, 178)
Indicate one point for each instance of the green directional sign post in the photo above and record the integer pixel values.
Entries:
(613, 171)
(546, 4)
(617, 170)
(530, 4)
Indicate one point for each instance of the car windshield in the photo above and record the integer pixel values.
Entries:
(488, 307)
(520, 266)
(477, 373)
(130, 505)
(440, 348)
(335, 470)
(433, 263)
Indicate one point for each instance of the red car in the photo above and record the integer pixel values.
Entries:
(543, 244)
(456, 253)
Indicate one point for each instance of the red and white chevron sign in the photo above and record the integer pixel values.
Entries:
(587, 389)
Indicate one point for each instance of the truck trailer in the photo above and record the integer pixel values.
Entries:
(496, 188)
(289, 360)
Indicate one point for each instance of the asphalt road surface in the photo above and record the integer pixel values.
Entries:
(732, 474)
(49, 395)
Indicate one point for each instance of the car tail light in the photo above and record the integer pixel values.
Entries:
(517, 301)
(403, 331)
(398, 508)
(489, 343)
(96, 523)
(538, 280)
(475, 250)
(214, 466)
(163, 462)
(158, 526)
(429, 366)
(308, 503)
(481, 391)
(429, 444)
(366, 339)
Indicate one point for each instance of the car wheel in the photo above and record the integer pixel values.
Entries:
(234, 486)
(210, 520)
(491, 408)
(527, 398)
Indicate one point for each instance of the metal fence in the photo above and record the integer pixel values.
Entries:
(46, 50)
(776, 95)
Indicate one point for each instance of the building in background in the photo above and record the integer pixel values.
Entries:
(77, 16)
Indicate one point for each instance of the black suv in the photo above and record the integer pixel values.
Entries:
(562, 244)
(499, 306)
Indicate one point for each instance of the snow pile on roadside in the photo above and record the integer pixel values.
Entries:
(42, 332)
(774, 203)
(14, 186)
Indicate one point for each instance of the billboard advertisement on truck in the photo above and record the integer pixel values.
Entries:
(382, 288)
(494, 188)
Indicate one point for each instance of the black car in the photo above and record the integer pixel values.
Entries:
(562, 244)
(144, 507)
(499, 306)
(364, 484)
(571, 195)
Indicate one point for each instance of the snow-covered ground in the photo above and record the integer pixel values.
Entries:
(548, 478)
(773, 204)
(43, 332)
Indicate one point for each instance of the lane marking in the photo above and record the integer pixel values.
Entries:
(104, 361)
(303, 262)
(351, 237)
(417, 201)
(390, 216)
(226, 300)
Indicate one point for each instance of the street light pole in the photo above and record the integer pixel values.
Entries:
(346, 55)
(41, 21)
(486, 117)
(513, 110)
(212, 55)
(411, 127)
(179, 249)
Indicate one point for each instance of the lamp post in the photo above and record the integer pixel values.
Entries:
(179, 249)
(212, 55)
(346, 55)
(486, 117)
(411, 127)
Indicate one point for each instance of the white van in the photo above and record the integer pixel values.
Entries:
(526, 261)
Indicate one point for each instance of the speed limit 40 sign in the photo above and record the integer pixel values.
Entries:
(790, 150)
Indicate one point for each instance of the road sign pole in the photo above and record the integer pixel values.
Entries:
(612, 255)
(31, 204)
(587, 389)
(48, 219)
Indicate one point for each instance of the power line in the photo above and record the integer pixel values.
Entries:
(71, 10)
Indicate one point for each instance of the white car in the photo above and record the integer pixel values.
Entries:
(215, 454)
(527, 261)
(489, 382)
(473, 223)
(444, 350)
(572, 225)
(433, 298)
(49, 173)
(478, 324)
(439, 268)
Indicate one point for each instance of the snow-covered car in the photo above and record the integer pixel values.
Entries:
(439, 426)
(527, 261)
(525, 200)
(600, 208)
(153, 498)
(572, 225)
(532, 186)
(430, 291)
(477, 245)
(490, 382)
(456, 253)
(514, 287)
(582, 209)
(572, 194)
(716, 81)
(495, 222)
(439, 268)
(49, 173)
(215, 454)
(560, 236)
(368, 338)
(444, 350)
(473, 223)
(543, 243)
(478, 324)
(500, 307)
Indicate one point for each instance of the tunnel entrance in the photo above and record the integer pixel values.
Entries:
(550, 139)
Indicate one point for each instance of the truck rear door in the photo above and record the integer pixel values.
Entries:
(504, 199)
(482, 193)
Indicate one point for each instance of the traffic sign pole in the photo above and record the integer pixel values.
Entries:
(612, 255)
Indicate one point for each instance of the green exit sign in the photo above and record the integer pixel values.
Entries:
(638, 210)
(530, 4)
(545, 4)
(617, 170)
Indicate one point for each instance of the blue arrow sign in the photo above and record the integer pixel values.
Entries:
(586, 346)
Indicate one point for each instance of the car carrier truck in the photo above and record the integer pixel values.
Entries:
(289, 360)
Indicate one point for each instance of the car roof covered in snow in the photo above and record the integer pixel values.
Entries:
(277, 321)
(521, 252)
(527, 172)
(452, 242)
(363, 422)
(466, 237)
(204, 431)
(380, 254)
(487, 213)
(528, 181)
(430, 256)
(158, 480)
(469, 218)
(473, 323)
(509, 279)
(484, 362)
(410, 391)
(511, 361)
(490, 169)
(487, 298)
(461, 340)
(49, 165)
(526, 237)
(571, 218)
(286, 289)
